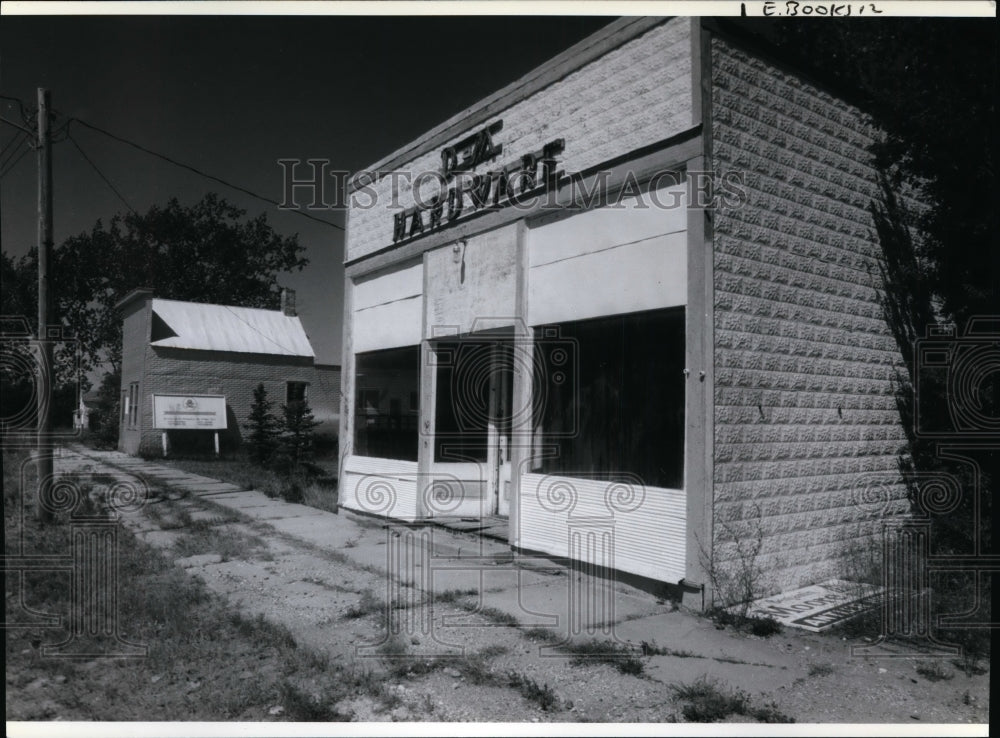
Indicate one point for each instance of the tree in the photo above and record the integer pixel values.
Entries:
(19, 357)
(108, 410)
(297, 445)
(930, 87)
(263, 428)
(206, 252)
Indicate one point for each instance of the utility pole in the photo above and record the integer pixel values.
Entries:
(43, 441)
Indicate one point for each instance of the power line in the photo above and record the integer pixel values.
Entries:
(15, 152)
(164, 157)
(10, 169)
(100, 173)
(201, 173)
(16, 125)
(15, 139)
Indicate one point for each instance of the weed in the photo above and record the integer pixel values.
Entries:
(545, 635)
(706, 701)
(263, 632)
(932, 671)
(769, 713)
(970, 666)
(764, 627)
(649, 648)
(541, 694)
(367, 605)
(739, 579)
(492, 651)
(396, 653)
(618, 655)
(475, 668)
(303, 707)
(228, 543)
(820, 669)
(500, 617)
(452, 595)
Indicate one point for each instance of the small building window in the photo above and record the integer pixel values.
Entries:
(621, 407)
(133, 405)
(295, 392)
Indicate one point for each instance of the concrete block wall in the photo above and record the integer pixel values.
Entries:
(803, 358)
(634, 96)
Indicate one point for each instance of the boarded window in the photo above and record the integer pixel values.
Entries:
(295, 392)
(611, 397)
(383, 379)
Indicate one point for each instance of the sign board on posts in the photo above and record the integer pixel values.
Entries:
(189, 412)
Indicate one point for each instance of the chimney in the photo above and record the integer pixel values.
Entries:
(288, 302)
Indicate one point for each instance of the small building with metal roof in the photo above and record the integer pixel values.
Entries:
(209, 359)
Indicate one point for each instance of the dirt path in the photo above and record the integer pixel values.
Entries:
(458, 632)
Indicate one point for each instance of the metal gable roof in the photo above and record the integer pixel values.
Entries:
(225, 328)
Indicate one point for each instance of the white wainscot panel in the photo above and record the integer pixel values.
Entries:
(576, 517)
(384, 487)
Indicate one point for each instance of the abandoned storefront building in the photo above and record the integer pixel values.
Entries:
(550, 317)
(189, 371)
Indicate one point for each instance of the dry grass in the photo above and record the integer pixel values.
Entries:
(316, 491)
(239, 666)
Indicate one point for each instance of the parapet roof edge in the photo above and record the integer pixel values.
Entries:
(580, 54)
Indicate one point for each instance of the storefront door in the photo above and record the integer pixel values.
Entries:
(473, 422)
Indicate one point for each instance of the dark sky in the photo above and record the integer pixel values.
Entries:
(232, 95)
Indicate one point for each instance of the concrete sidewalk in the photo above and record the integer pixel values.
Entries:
(531, 591)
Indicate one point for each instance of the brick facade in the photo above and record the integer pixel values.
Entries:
(803, 357)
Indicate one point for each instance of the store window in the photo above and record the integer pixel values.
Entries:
(621, 408)
(381, 427)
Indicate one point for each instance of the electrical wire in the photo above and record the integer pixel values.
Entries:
(100, 173)
(65, 128)
(16, 152)
(15, 139)
(15, 125)
(199, 172)
(9, 169)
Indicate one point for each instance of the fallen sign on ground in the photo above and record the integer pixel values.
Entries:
(818, 607)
